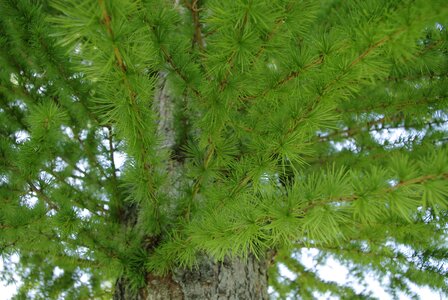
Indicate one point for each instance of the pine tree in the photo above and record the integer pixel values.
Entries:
(157, 149)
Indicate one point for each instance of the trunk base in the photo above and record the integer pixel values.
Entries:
(235, 279)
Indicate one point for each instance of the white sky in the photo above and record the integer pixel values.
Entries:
(6, 291)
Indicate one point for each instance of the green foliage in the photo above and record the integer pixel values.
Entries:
(138, 136)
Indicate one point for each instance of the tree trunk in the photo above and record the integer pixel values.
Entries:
(232, 279)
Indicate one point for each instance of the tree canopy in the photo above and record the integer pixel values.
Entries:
(137, 136)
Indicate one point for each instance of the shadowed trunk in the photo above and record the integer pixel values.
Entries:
(231, 279)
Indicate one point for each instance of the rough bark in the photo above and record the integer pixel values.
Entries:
(231, 279)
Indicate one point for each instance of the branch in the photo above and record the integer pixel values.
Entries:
(111, 155)
(43, 196)
(271, 35)
(133, 110)
(353, 131)
(194, 8)
(230, 61)
(351, 198)
(325, 159)
(277, 25)
(79, 193)
(107, 23)
(318, 61)
(422, 101)
(331, 83)
(284, 80)
(176, 69)
(207, 160)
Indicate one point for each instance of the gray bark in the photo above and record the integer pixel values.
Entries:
(235, 279)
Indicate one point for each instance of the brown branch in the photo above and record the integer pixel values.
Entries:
(325, 159)
(43, 196)
(111, 154)
(271, 35)
(78, 192)
(176, 69)
(351, 198)
(133, 98)
(207, 160)
(90, 156)
(334, 81)
(169, 59)
(107, 23)
(353, 131)
(223, 83)
(277, 25)
(118, 57)
(373, 47)
(194, 9)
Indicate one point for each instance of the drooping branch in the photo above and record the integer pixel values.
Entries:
(143, 154)
(399, 105)
(383, 192)
(351, 132)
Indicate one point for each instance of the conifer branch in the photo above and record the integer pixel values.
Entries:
(195, 9)
(177, 70)
(107, 23)
(91, 157)
(367, 128)
(111, 154)
(170, 60)
(277, 26)
(284, 80)
(424, 51)
(42, 196)
(207, 160)
(51, 237)
(45, 45)
(81, 194)
(373, 47)
(384, 192)
(99, 244)
(357, 60)
(25, 94)
(341, 248)
(323, 160)
(327, 87)
(398, 105)
(230, 60)
(146, 166)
